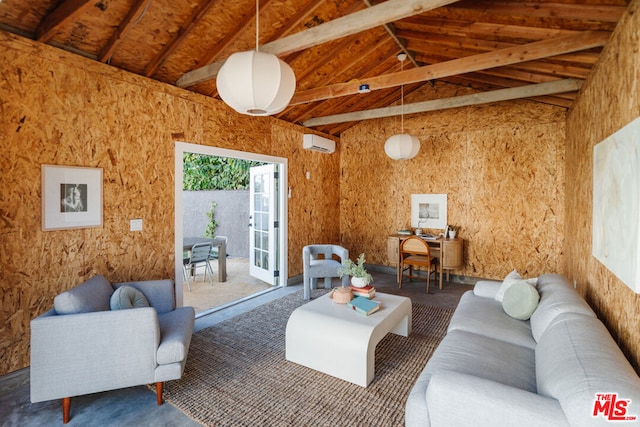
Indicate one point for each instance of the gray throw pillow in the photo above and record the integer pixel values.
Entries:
(92, 295)
(128, 297)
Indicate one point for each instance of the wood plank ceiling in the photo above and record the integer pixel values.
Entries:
(505, 49)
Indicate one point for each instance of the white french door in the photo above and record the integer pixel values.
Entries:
(263, 223)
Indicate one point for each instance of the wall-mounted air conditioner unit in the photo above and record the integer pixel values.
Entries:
(318, 143)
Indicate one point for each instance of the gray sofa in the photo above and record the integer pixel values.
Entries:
(494, 370)
(89, 343)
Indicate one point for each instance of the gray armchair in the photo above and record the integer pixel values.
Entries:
(84, 346)
(315, 267)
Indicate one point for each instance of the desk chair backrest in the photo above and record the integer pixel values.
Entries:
(415, 245)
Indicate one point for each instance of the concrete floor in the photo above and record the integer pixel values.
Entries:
(136, 406)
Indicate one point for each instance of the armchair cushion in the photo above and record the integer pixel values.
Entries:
(92, 295)
(176, 328)
(127, 297)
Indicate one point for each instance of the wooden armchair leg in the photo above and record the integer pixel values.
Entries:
(66, 408)
(159, 392)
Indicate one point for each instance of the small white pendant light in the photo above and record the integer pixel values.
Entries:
(256, 83)
(402, 146)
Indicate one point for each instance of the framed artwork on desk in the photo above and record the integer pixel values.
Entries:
(429, 211)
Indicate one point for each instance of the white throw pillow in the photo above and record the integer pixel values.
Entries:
(520, 300)
(506, 283)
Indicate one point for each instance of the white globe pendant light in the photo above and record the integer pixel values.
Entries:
(256, 83)
(402, 146)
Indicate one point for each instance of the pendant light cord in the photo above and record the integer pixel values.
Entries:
(402, 99)
(257, 23)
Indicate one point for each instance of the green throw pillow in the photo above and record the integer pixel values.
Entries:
(128, 297)
(520, 300)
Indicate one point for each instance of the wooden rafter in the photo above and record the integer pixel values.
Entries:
(62, 14)
(587, 12)
(184, 30)
(502, 57)
(231, 35)
(558, 86)
(389, 11)
(127, 23)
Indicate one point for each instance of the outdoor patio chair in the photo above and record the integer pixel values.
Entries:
(200, 253)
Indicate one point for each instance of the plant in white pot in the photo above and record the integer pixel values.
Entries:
(359, 276)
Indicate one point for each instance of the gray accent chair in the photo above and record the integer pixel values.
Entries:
(315, 267)
(81, 346)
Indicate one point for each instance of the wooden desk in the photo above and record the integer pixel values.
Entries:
(448, 252)
(188, 242)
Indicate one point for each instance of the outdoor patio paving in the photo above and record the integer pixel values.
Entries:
(204, 296)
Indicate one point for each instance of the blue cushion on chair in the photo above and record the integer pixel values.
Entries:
(128, 297)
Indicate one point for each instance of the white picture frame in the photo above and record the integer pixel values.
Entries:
(616, 204)
(429, 211)
(71, 197)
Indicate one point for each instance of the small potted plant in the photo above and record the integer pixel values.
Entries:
(359, 276)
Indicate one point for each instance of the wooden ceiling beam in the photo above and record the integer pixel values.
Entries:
(296, 19)
(389, 11)
(134, 13)
(586, 12)
(231, 36)
(373, 67)
(485, 81)
(418, 39)
(501, 57)
(391, 30)
(557, 86)
(425, 51)
(179, 36)
(483, 30)
(63, 13)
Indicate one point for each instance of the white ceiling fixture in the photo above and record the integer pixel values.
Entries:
(402, 146)
(256, 83)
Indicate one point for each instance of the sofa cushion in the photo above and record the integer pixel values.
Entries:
(576, 358)
(127, 297)
(92, 295)
(520, 300)
(485, 316)
(506, 283)
(484, 357)
(555, 299)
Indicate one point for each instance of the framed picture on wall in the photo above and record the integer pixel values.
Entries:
(71, 197)
(429, 211)
(616, 204)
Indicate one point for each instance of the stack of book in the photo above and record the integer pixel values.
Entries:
(367, 292)
(364, 305)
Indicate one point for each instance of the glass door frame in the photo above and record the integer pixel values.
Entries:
(282, 232)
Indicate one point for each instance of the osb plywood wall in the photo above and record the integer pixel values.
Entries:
(608, 102)
(501, 166)
(61, 109)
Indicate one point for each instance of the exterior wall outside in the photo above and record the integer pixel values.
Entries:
(608, 101)
(231, 212)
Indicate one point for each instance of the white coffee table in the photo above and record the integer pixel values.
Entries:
(334, 339)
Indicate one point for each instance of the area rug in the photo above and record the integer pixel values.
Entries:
(237, 375)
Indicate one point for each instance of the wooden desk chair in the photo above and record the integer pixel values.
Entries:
(415, 252)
